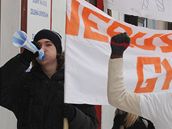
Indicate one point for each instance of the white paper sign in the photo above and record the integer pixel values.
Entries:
(38, 16)
(152, 9)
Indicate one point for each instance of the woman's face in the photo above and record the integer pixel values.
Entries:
(49, 50)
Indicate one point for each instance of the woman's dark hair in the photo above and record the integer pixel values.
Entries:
(60, 60)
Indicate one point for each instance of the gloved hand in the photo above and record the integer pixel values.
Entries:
(69, 112)
(119, 43)
(27, 56)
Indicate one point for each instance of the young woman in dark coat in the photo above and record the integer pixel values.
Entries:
(37, 97)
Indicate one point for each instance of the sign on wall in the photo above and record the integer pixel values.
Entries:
(38, 16)
(153, 9)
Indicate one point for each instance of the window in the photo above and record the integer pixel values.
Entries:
(93, 2)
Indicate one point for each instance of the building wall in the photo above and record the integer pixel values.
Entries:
(10, 22)
(59, 18)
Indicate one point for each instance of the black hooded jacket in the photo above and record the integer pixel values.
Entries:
(38, 101)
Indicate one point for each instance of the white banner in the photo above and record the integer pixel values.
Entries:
(152, 9)
(38, 16)
(147, 62)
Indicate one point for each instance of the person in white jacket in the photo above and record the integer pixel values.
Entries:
(156, 107)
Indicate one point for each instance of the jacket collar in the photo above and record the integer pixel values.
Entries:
(38, 73)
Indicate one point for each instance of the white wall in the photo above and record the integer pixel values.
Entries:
(10, 22)
(59, 17)
(7, 119)
(107, 117)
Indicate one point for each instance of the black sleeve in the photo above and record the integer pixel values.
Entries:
(150, 124)
(11, 75)
(85, 117)
(119, 118)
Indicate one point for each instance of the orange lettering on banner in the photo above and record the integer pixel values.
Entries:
(148, 43)
(165, 38)
(72, 25)
(135, 37)
(168, 78)
(115, 25)
(90, 23)
(91, 30)
(141, 61)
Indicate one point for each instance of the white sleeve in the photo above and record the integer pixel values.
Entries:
(157, 106)
(118, 96)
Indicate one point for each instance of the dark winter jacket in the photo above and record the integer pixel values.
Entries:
(141, 123)
(37, 101)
